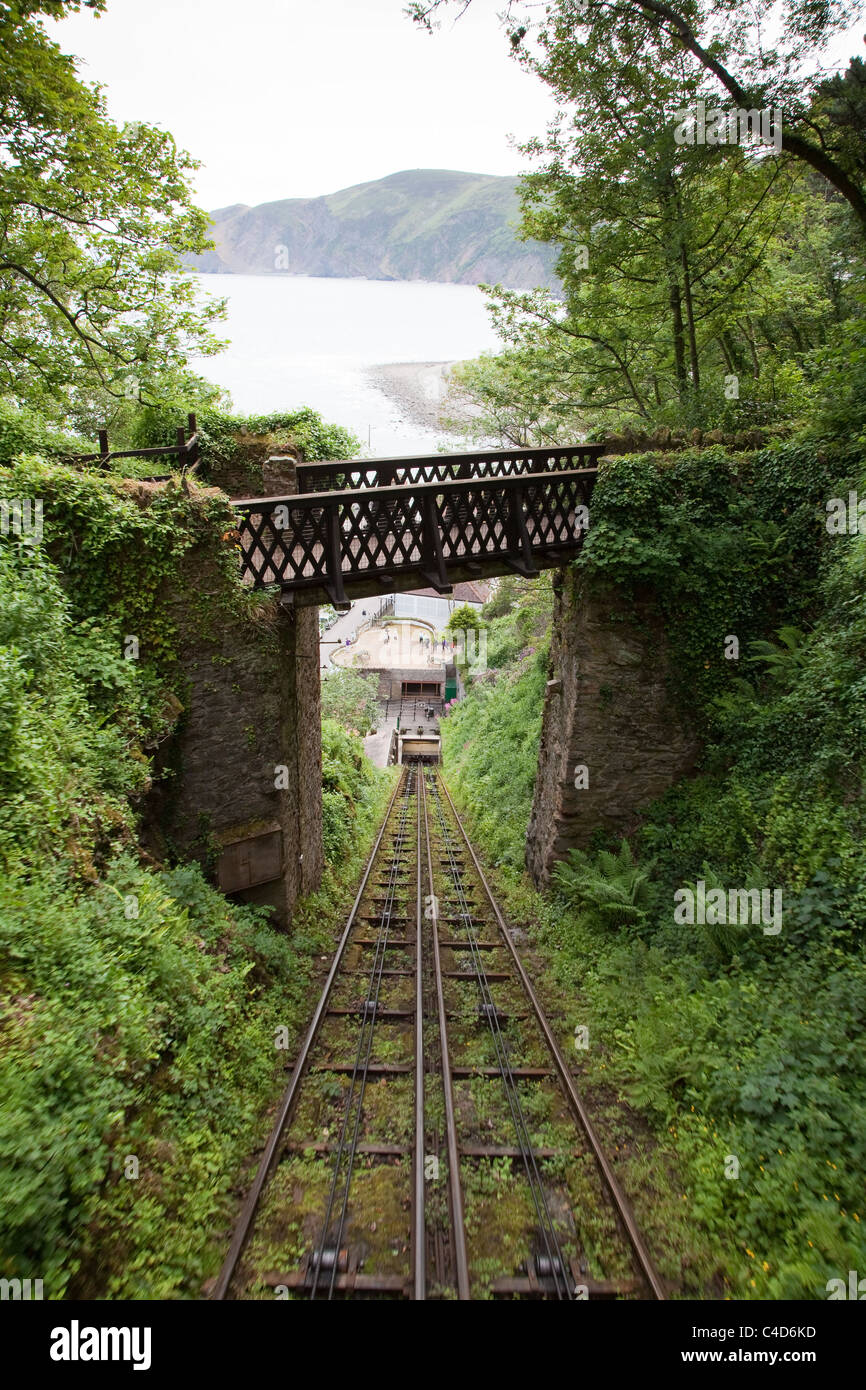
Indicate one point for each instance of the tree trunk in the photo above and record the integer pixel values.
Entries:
(690, 318)
(749, 336)
(679, 338)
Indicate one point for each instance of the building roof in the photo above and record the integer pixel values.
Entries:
(467, 591)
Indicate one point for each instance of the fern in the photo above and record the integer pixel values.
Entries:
(612, 889)
(781, 660)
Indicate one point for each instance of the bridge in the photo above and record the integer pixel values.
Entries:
(357, 527)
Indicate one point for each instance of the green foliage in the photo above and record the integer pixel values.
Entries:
(611, 889)
(503, 598)
(94, 222)
(351, 698)
(136, 1004)
(466, 624)
(26, 432)
(752, 1035)
(701, 287)
(490, 738)
(350, 785)
(731, 1041)
(731, 545)
(115, 555)
(138, 1007)
(780, 660)
(224, 439)
(129, 1035)
(710, 47)
(840, 370)
(517, 396)
(72, 721)
(463, 619)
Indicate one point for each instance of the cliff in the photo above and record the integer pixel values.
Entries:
(422, 224)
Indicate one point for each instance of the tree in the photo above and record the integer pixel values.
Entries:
(505, 594)
(683, 276)
(94, 222)
(720, 40)
(664, 261)
(464, 619)
(515, 397)
(469, 634)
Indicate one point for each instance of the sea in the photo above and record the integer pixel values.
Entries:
(303, 340)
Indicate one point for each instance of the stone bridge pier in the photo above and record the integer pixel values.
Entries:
(247, 756)
(613, 738)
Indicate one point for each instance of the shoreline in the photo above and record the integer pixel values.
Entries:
(418, 388)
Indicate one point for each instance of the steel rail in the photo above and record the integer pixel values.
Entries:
(547, 1228)
(244, 1223)
(354, 1104)
(457, 1217)
(619, 1198)
(536, 1184)
(419, 1225)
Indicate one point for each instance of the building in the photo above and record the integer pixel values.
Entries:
(429, 607)
(412, 683)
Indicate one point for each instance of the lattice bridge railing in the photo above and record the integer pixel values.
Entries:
(321, 546)
(361, 475)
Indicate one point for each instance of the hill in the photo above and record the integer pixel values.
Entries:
(422, 224)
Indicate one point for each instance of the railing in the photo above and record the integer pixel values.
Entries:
(359, 474)
(318, 543)
(186, 450)
(385, 608)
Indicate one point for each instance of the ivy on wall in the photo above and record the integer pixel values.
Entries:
(730, 545)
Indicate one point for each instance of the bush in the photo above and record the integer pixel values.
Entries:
(490, 739)
(612, 889)
(221, 435)
(351, 699)
(25, 432)
(349, 786)
(127, 1035)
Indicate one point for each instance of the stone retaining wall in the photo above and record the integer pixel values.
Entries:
(608, 710)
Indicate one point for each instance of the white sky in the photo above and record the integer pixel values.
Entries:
(296, 98)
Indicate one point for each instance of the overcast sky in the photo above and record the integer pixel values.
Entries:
(295, 98)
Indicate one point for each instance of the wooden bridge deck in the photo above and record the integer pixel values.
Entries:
(523, 511)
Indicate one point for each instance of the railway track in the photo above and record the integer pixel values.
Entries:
(431, 1142)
